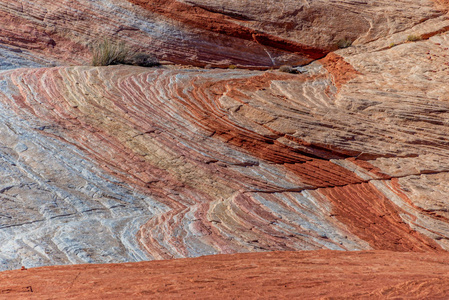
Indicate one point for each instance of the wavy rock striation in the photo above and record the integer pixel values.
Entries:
(57, 207)
(179, 146)
(198, 32)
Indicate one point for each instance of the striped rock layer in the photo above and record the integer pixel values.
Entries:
(251, 33)
(124, 163)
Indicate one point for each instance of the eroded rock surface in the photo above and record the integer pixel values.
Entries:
(123, 163)
(57, 207)
(308, 274)
(250, 33)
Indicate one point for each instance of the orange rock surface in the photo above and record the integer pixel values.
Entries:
(124, 163)
(275, 275)
(257, 34)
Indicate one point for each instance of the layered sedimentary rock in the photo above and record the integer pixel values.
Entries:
(124, 163)
(306, 274)
(198, 32)
(57, 207)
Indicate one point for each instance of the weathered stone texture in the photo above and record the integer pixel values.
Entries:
(198, 32)
(123, 163)
(304, 274)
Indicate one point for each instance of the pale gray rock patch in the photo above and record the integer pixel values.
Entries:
(57, 207)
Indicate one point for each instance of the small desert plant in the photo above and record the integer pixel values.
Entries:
(232, 67)
(288, 69)
(344, 43)
(414, 38)
(392, 45)
(108, 53)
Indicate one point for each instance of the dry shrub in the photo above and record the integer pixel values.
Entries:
(344, 43)
(414, 38)
(107, 53)
(288, 69)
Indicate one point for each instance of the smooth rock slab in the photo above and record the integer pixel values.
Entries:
(312, 275)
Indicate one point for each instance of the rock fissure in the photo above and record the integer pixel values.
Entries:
(344, 185)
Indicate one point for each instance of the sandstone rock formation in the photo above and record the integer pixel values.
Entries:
(304, 274)
(124, 163)
(252, 33)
